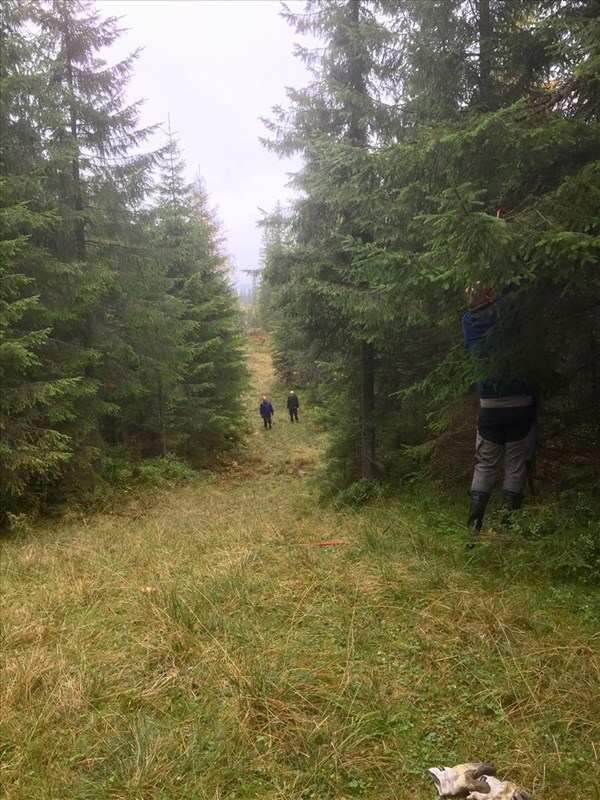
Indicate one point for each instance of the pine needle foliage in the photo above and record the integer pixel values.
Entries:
(206, 401)
(487, 105)
(100, 330)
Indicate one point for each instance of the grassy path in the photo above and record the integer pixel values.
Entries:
(195, 645)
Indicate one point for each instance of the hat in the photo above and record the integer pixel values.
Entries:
(479, 295)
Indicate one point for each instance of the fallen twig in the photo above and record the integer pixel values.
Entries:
(323, 544)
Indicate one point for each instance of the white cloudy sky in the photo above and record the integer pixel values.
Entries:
(215, 67)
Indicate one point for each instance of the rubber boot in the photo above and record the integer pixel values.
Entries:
(511, 501)
(479, 501)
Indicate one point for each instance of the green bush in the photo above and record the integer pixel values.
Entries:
(359, 493)
(160, 472)
(560, 539)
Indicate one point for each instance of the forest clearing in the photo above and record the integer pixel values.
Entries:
(198, 642)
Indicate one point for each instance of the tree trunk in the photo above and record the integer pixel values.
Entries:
(76, 192)
(595, 370)
(161, 416)
(77, 201)
(358, 134)
(367, 409)
(486, 33)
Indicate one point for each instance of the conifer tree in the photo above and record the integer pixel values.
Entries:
(333, 123)
(71, 190)
(492, 107)
(526, 149)
(273, 299)
(120, 334)
(40, 397)
(96, 176)
(206, 395)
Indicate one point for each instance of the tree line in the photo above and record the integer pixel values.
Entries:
(120, 330)
(422, 119)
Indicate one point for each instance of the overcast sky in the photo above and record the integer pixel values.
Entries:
(216, 66)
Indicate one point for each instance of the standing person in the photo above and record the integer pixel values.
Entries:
(293, 404)
(265, 409)
(506, 421)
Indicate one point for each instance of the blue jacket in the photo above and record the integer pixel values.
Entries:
(265, 409)
(477, 326)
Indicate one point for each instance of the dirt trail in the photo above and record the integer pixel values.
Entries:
(269, 494)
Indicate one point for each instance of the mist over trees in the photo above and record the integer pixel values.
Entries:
(120, 330)
(423, 118)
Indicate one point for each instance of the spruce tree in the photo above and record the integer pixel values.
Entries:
(97, 180)
(205, 397)
(528, 147)
(334, 123)
(492, 105)
(73, 190)
(41, 395)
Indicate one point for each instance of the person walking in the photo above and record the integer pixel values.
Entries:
(506, 422)
(293, 404)
(266, 411)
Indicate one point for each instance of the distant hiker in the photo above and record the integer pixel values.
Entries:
(266, 411)
(506, 421)
(293, 404)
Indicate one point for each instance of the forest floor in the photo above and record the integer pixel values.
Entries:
(202, 643)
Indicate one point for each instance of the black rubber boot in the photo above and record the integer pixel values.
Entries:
(511, 501)
(479, 501)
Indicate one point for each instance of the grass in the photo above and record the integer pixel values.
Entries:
(197, 643)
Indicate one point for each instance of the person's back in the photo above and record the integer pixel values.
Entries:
(506, 419)
(483, 313)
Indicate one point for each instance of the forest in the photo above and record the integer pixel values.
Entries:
(121, 334)
(444, 144)
(194, 606)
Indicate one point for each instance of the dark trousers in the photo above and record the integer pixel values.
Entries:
(293, 414)
(267, 420)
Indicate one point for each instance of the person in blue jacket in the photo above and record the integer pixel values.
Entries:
(506, 423)
(265, 409)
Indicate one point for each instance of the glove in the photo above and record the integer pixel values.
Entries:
(499, 790)
(462, 778)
